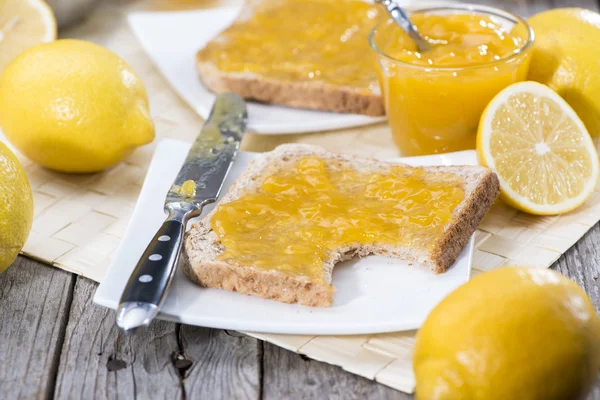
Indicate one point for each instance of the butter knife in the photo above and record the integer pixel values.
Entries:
(198, 183)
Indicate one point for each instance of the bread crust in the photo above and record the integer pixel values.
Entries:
(458, 233)
(259, 282)
(309, 95)
(201, 248)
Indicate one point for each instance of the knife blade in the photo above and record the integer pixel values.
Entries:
(197, 184)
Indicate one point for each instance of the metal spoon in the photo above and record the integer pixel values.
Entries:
(401, 18)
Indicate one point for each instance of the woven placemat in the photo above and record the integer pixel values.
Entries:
(80, 219)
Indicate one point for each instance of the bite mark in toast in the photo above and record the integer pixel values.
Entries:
(201, 263)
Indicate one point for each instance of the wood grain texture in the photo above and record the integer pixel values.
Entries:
(171, 361)
(582, 264)
(288, 375)
(98, 361)
(34, 304)
(224, 365)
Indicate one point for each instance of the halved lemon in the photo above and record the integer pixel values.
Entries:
(539, 148)
(23, 24)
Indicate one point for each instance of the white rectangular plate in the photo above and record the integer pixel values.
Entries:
(172, 39)
(373, 294)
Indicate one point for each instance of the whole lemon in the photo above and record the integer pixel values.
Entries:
(511, 333)
(73, 106)
(565, 58)
(16, 207)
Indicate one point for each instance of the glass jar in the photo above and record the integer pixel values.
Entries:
(436, 109)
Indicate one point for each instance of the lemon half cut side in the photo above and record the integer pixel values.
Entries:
(540, 149)
(24, 24)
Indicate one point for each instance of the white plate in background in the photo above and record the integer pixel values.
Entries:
(374, 294)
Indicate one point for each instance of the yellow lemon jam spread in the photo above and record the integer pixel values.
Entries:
(188, 189)
(456, 40)
(434, 99)
(301, 213)
(301, 40)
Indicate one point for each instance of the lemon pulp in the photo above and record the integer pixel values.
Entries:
(23, 24)
(541, 151)
(552, 147)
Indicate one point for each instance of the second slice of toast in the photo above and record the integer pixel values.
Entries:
(291, 61)
(202, 248)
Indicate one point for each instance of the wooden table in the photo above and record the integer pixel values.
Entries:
(55, 343)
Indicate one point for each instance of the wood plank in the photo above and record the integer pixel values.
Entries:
(287, 375)
(34, 301)
(223, 365)
(98, 361)
(527, 8)
(581, 263)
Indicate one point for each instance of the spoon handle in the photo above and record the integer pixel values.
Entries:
(401, 18)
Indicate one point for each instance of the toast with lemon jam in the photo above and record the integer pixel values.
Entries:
(298, 210)
(299, 53)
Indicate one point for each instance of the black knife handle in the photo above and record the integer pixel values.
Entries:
(149, 282)
(155, 269)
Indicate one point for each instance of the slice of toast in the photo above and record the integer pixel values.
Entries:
(310, 93)
(201, 263)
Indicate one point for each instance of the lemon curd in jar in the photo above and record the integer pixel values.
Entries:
(302, 212)
(301, 40)
(434, 99)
